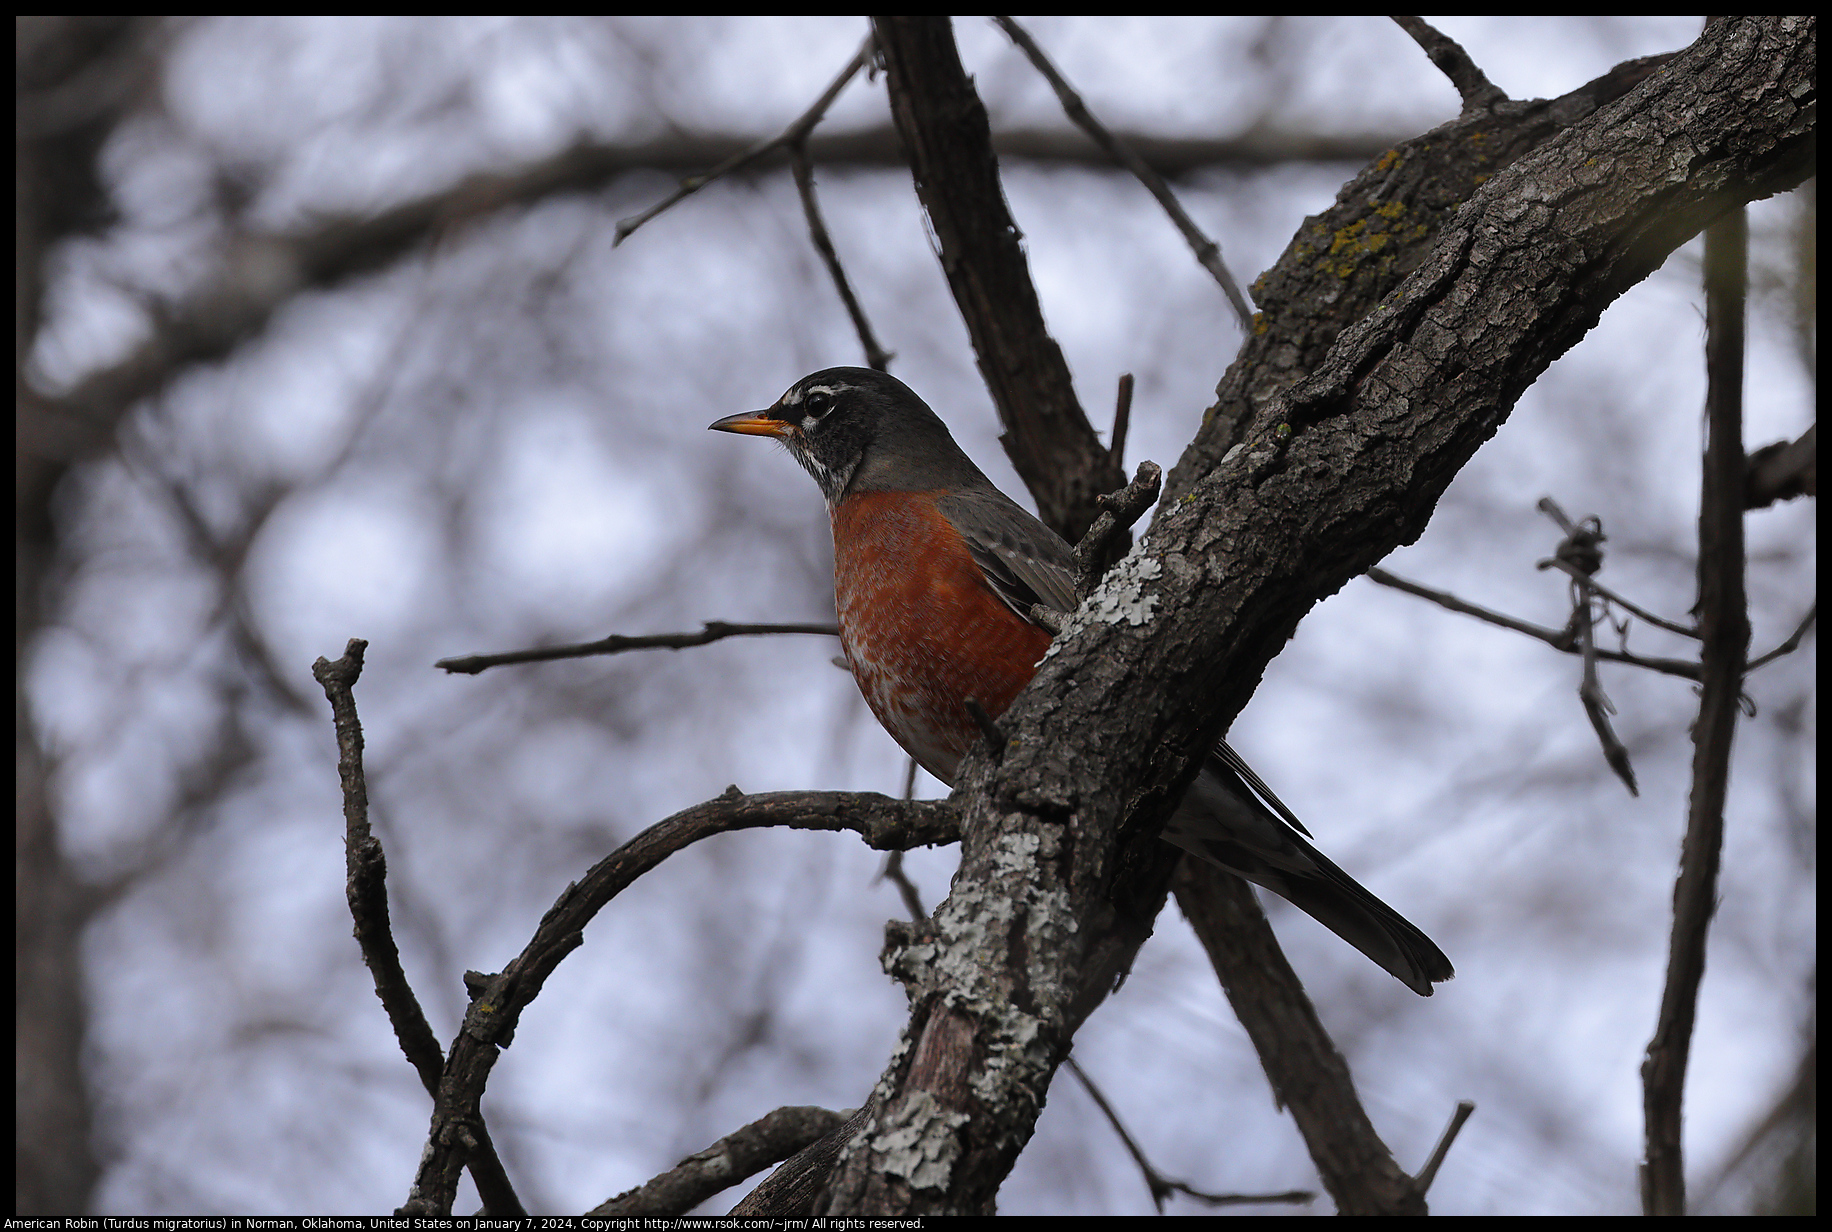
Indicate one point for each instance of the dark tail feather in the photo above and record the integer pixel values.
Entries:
(1342, 905)
(1224, 822)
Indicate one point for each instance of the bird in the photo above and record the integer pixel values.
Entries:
(936, 573)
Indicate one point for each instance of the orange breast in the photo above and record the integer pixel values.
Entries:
(921, 627)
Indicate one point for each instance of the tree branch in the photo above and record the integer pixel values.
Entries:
(497, 1001)
(1473, 86)
(1724, 646)
(264, 271)
(1308, 1074)
(740, 1154)
(943, 123)
(793, 138)
(617, 643)
(1558, 639)
(1208, 252)
(1163, 1187)
(1116, 721)
(365, 885)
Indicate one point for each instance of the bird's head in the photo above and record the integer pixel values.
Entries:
(858, 429)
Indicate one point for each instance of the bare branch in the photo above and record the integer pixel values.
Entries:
(1429, 1172)
(1161, 1186)
(1122, 419)
(1208, 252)
(989, 728)
(263, 271)
(791, 1190)
(366, 888)
(1724, 621)
(788, 138)
(1119, 511)
(617, 643)
(1596, 703)
(1558, 639)
(1473, 87)
(875, 355)
(770, 1139)
(1580, 556)
(1052, 446)
(497, 1001)
(1604, 592)
(1791, 644)
(893, 863)
(1783, 471)
(1307, 1072)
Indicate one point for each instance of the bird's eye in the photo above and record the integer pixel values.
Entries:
(817, 403)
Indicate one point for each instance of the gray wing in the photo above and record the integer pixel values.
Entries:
(1024, 561)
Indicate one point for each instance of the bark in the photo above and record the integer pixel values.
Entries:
(1333, 472)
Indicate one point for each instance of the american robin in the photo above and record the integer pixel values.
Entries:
(935, 572)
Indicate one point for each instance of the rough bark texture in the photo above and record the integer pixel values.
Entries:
(1335, 470)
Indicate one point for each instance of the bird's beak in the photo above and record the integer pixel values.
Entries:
(751, 423)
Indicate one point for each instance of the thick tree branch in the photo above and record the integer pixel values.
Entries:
(1351, 462)
(1342, 262)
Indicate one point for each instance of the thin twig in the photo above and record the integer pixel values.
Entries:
(1580, 555)
(1161, 1186)
(366, 887)
(989, 728)
(893, 863)
(1430, 1171)
(1552, 562)
(1597, 706)
(1558, 639)
(1122, 419)
(1473, 87)
(1208, 253)
(617, 643)
(1793, 640)
(875, 356)
(1119, 511)
(796, 133)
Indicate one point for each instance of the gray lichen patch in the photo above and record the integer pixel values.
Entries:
(1120, 598)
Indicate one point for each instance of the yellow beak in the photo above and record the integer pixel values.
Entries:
(750, 423)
